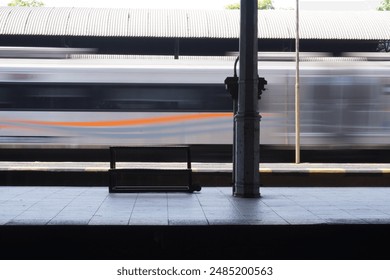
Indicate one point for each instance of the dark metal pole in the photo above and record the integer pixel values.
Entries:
(247, 119)
(297, 93)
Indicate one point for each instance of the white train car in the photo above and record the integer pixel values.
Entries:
(100, 103)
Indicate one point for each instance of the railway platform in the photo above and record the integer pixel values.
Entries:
(285, 223)
(300, 216)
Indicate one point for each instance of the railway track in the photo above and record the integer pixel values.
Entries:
(205, 153)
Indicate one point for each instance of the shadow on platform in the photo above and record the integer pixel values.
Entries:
(196, 242)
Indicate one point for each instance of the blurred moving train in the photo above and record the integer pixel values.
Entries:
(98, 103)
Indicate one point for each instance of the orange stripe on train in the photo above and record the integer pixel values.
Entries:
(142, 121)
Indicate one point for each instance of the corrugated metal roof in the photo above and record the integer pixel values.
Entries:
(195, 29)
(16, 21)
(279, 25)
(138, 23)
(273, 24)
(117, 23)
(4, 13)
(57, 23)
(78, 22)
(97, 24)
(37, 22)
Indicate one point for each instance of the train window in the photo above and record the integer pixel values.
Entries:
(115, 97)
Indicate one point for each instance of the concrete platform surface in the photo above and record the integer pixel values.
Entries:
(286, 223)
(210, 206)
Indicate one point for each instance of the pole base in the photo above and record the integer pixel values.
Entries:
(254, 194)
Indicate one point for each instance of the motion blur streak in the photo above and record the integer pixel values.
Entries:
(345, 102)
(145, 121)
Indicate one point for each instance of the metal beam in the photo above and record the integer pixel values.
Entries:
(247, 119)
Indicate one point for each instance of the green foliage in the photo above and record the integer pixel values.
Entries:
(265, 5)
(235, 6)
(262, 5)
(384, 46)
(26, 3)
(385, 6)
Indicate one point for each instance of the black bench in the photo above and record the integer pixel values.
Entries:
(151, 179)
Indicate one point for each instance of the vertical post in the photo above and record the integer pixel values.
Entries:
(297, 93)
(247, 119)
(177, 48)
(112, 158)
(234, 143)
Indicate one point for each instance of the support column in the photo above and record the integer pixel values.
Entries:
(247, 119)
(177, 48)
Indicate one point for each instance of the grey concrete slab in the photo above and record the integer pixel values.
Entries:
(211, 206)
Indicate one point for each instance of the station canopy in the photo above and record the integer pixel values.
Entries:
(218, 24)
